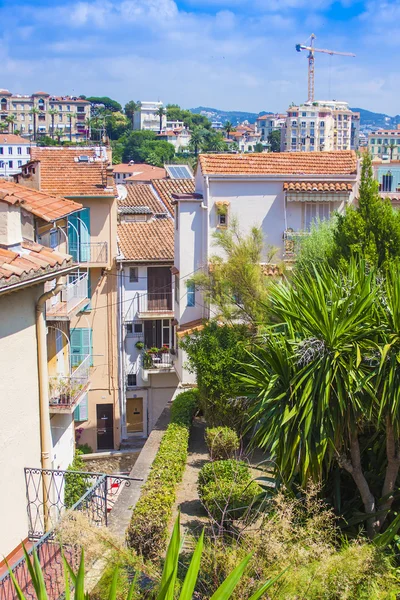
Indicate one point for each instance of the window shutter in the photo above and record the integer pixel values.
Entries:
(81, 411)
(84, 215)
(81, 343)
(73, 228)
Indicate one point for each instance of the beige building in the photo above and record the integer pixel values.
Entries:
(84, 176)
(320, 126)
(385, 144)
(31, 435)
(42, 114)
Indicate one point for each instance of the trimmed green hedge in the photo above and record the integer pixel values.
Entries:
(147, 532)
(222, 442)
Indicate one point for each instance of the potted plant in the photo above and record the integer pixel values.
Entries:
(147, 361)
(164, 349)
(139, 345)
(153, 350)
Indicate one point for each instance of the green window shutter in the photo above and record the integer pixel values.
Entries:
(81, 411)
(84, 223)
(81, 343)
(73, 231)
(79, 235)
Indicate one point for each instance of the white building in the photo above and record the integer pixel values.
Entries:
(15, 151)
(320, 126)
(385, 143)
(266, 124)
(146, 307)
(281, 193)
(146, 117)
(179, 138)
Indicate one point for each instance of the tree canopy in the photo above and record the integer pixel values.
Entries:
(274, 139)
(108, 103)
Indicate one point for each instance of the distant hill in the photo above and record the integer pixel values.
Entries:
(369, 119)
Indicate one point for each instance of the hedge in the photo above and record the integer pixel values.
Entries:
(222, 442)
(147, 532)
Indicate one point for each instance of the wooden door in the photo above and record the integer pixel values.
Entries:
(134, 415)
(159, 288)
(105, 426)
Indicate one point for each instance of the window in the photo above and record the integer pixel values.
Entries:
(138, 328)
(322, 124)
(20, 163)
(303, 114)
(53, 237)
(10, 164)
(10, 150)
(28, 150)
(129, 328)
(1, 164)
(19, 150)
(303, 124)
(60, 118)
(133, 275)
(222, 220)
(372, 140)
(1, 150)
(191, 294)
(131, 380)
(316, 211)
(387, 181)
(81, 412)
(81, 345)
(312, 123)
(22, 117)
(68, 107)
(60, 107)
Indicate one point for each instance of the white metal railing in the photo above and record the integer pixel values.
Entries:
(70, 296)
(65, 390)
(89, 252)
(149, 302)
(158, 360)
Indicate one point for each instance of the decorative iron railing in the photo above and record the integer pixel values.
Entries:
(89, 252)
(73, 294)
(65, 390)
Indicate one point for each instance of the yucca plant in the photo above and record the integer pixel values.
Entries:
(166, 590)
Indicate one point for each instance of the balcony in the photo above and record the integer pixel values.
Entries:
(65, 391)
(89, 252)
(160, 361)
(69, 301)
(155, 304)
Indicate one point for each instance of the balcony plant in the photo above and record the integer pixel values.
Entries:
(164, 349)
(147, 361)
(153, 350)
(139, 345)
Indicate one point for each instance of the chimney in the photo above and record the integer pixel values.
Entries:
(110, 176)
(10, 226)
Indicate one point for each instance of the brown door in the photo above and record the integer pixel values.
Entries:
(134, 415)
(105, 426)
(159, 288)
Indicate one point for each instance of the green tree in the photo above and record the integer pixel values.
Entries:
(98, 102)
(214, 142)
(274, 140)
(52, 112)
(132, 143)
(70, 116)
(161, 112)
(258, 147)
(213, 355)
(371, 230)
(329, 377)
(10, 120)
(197, 139)
(228, 128)
(117, 124)
(156, 153)
(34, 111)
(130, 108)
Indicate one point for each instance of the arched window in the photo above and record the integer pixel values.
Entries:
(3, 104)
(41, 104)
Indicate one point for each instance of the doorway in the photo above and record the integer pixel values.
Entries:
(105, 426)
(134, 415)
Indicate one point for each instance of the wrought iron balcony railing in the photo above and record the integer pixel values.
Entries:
(66, 390)
(69, 299)
(150, 304)
(89, 252)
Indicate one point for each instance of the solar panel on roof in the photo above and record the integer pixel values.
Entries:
(179, 171)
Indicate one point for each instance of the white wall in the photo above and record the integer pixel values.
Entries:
(63, 439)
(19, 423)
(18, 160)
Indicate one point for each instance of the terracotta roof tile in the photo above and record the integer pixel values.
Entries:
(166, 187)
(62, 175)
(318, 186)
(45, 206)
(11, 138)
(140, 171)
(29, 262)
(142, 195)
(340, 162)
(151, 240)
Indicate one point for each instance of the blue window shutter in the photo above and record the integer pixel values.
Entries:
(73, 230)
(191, 295)
(84, 215)
(81, 343)
(81, 411)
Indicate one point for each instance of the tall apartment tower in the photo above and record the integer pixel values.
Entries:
(320, 126)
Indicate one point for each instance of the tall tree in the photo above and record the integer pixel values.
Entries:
(197, 139)
(130, 108)
(34, 111)
(10, 120)
(274, 140)
(70, 116)
(161, 113)
(103, 102)
(52, 112)
(228, 128)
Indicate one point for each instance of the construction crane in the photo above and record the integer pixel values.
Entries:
(311, 70)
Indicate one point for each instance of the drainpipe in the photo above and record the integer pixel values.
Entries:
(44, 412)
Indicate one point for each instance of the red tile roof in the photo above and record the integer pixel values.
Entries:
(30, 262)
(317, 186)
(151, 240)
(11, 138)
(340, 162)
(62, 174)
(140, 171)
(166, 187)
(142, 195)
(40, 204)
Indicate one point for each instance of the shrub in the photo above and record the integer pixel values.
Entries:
(226, 489)
(147, 531)
(84, 448)
(76, 484)
(222, 442)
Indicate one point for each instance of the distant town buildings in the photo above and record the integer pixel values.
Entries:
(266, 124)
(43, 114)
(147, 117)
(385, 143)
(15, 151)
(245, 136)
(320, 126)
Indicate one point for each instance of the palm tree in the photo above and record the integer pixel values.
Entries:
(130, 108)
(197, 139)
(52, 112)
(34, 111)
(3, 126)
(161, 113)
(88, 125)
(10, 119)
(228, 128)
(392, 147)
(70, 116)
(330, 376)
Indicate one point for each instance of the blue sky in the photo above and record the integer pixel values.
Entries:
(230, 54)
